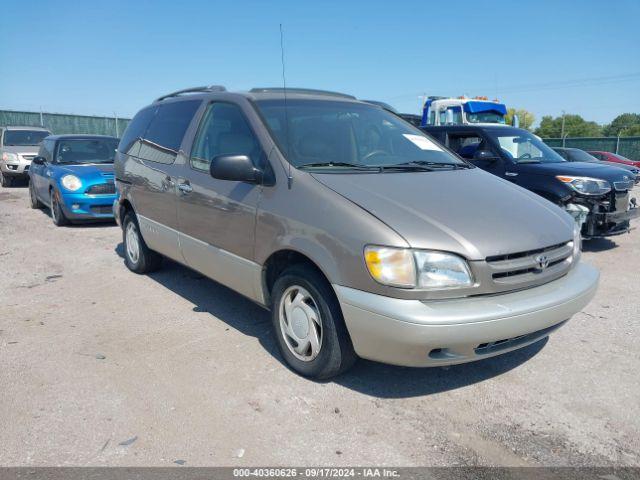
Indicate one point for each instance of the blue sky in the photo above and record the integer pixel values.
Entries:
(106, 57)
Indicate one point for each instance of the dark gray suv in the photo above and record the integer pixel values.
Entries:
(361, 234)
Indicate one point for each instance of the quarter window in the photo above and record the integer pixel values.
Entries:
(223, 131)
(164, 135)
(135, 130)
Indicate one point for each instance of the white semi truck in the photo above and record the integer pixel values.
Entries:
(463, 111)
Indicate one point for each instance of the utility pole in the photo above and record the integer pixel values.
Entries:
(562, 131)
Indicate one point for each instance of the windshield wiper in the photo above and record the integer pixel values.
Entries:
(433, 165)
(339, 164)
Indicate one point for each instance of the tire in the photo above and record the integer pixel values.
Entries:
(325, 349)
(5, 181)
(137, 256)
(35, 203)
(57, 214)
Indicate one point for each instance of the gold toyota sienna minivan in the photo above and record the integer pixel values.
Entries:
(361, 235)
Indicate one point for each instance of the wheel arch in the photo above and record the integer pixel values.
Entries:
(279, 261)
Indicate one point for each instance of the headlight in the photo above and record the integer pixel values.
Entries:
(442, 270)
(9, 157)
(71, 182)
(391, 266)
(577, 242)
(586, 185)
(402, 267)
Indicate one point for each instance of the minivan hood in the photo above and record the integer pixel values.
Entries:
(469, 212)
(578, 169)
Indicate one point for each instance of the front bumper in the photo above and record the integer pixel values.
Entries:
(15, 169)
(445, 332)
(79, 206)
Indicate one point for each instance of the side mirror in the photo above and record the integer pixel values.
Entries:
(38, 160)
(237, 168)
(485, 155)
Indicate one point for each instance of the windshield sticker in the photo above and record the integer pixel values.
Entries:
(423, 143)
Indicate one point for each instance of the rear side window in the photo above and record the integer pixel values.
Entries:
(163, 137)
(223, 131)
(135, 130)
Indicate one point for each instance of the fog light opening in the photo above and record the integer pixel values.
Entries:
(75, 206)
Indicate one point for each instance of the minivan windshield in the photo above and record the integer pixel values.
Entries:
(523, 147)
(23, 138)
(350, 135)
(80, 151)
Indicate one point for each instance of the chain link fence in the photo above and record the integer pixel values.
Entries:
(60, 123)
(626, 146)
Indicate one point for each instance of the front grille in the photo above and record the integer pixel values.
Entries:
(623, 185)
(28, 157)
(103, 209)
(531, 266)
(102, 189)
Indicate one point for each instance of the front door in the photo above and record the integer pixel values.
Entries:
(217, 217)
(39, 174)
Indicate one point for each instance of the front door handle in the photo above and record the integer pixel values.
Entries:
(510, 174)
(185, 188)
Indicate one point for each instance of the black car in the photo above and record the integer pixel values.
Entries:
(577, 155)
(595, 194)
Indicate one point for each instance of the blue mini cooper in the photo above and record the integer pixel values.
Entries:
(73, 176)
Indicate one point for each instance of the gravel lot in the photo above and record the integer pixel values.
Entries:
(99, 366)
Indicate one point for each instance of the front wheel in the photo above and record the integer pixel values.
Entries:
(137, 256)
(307, 320)
(5, 181)
(57, 214)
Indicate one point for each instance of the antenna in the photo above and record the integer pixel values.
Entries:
(286, 116)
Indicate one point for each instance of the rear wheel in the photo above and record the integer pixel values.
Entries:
(57, 215)
(33, 197)
(138, 257)
(308, 324)
(5, 180)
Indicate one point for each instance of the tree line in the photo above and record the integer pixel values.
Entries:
(570, 125)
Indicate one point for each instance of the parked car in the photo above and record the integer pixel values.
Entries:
(577, 155)
(599, 197)
(361, 234)
(614, 157)
(73, 176)
(18, 146)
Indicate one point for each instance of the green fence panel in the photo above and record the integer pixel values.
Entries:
(626, 146)
(60, 123)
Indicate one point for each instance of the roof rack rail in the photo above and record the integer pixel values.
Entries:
(209, 88)
(308, 91)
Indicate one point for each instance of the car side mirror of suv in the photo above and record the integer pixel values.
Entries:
(485, 155)
(238, 168)
(38, 160)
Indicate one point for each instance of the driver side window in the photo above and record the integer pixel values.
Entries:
(224, 130)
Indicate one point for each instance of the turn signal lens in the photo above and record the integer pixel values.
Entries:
(391, 266)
